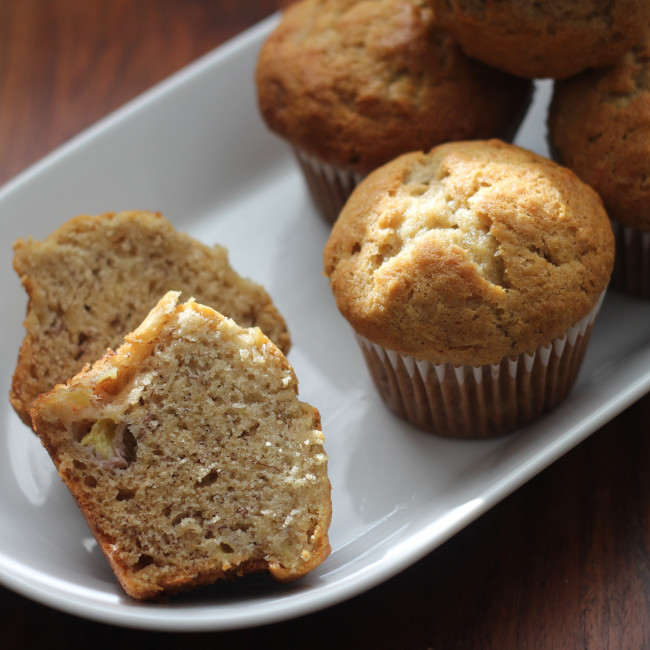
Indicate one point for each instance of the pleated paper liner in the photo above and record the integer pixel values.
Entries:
(480, 401)
(329, 186)
(632, 263)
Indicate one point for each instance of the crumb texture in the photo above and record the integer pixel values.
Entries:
(96, 278)
(468, 254)
(190, 455)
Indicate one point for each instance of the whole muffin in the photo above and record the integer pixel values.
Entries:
(351, 85)
(545, 39)
(599, 126)
(471, 275)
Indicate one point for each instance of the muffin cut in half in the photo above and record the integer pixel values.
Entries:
(95, 278)
(190, 456)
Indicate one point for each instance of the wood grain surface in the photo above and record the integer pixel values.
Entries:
(562, 563)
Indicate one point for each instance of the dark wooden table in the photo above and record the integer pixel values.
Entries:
(562, 563)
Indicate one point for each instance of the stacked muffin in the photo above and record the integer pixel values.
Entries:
(544, 39)
(470, 274)
(351, 85)
(599, 125)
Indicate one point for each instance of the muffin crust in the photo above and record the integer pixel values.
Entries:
(599, 125)
(555, 39)
(357, 83)
(468, 254)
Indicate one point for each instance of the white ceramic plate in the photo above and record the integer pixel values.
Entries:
(195, 148)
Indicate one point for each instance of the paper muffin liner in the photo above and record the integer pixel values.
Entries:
(329, 185)
(632, 262)
(480, 401)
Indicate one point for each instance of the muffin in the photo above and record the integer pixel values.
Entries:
(471, 276)
(190, 456)
(96, 277)
(599, 126)
(545, 39)
(351, 85)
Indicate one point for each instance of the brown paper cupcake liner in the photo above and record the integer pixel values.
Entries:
(479, 401)
(329, 186)
(632, 262)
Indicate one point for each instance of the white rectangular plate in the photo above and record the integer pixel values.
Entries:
(195, 149)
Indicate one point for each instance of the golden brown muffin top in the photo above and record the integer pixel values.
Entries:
(557, 38)
(599, 124)
(469, 253)
(356, 83)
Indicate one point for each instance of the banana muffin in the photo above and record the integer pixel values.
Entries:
(96, 277)
(545, 39)
(190, 456)
(599, 126)
(351, 85)
(471, 275)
